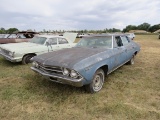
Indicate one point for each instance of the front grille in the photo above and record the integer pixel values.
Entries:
(50, 69)
(5, 51)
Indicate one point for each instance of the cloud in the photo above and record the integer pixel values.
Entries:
(77, 14)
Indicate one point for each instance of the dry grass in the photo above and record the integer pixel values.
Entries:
(131, 92)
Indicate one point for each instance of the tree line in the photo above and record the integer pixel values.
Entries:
(144, 26)
(8, 31)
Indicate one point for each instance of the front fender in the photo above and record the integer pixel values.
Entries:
(88, 72)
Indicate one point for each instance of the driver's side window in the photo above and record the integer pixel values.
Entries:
(118, 41)
(52, 41)
(124, 39)
(62, 41)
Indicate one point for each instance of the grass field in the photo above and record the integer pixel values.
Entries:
(130, 92)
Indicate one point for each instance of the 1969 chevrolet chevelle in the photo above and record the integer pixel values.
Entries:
(88, 62)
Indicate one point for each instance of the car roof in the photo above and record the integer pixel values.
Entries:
(49, 36)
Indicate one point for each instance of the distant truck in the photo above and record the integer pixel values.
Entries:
(23, 36)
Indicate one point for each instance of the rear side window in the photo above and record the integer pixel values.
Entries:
(118, 41)
(53, 41)
(124, 39)
(62, 41)
(128, 38)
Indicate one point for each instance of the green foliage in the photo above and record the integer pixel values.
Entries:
(144, 26)
(111, 30)
(114, 30)
(154, 28)
(10, 30)
(2, 31)
(130, 27)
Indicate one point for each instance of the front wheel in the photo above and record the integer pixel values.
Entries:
(97, 82)
(131, 62)
(26, 59)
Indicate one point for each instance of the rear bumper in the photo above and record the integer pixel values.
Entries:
(9, 58)
(60, 78)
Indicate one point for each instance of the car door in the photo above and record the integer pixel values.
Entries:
(53, 44)
(119, 52)
(129, 49)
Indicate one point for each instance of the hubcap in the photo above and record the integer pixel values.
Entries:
(98, 82)
(28, 60)
(132, 61)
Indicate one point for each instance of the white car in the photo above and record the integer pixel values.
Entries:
(17, 52)
(130, 35)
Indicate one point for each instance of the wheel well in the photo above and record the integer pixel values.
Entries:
(30, 54)
(136, 53)
(105, 69)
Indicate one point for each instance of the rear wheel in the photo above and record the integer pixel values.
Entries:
(26, 58)
(131, 62)
(97, 82)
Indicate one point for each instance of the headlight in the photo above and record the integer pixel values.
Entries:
(11, 54)
(65, 71)
(35, 64)
(73, 74)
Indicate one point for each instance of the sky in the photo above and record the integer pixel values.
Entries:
(77, 14)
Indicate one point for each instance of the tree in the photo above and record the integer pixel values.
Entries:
(111, 30)
(130, 27)
(2, 31)
(144, 26)
(154, 28)
(11, 30)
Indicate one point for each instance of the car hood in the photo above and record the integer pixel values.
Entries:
(18, 46)
(68, 57)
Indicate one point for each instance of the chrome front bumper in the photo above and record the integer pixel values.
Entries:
(10, 58)
(60, 78)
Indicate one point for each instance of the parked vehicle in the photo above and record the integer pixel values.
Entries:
(3, 35)
(88, 62)
(82, 35)
(17, 52)
(130, 35)
(23, 36)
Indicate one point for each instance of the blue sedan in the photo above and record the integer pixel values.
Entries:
(87, 64)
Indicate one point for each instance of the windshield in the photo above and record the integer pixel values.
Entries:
(38, 40)
(95, 42)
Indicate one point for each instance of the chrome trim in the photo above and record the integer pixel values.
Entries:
(5, 51)
(11, 59)
(60, 78)
(117, 67)
(50, 69)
